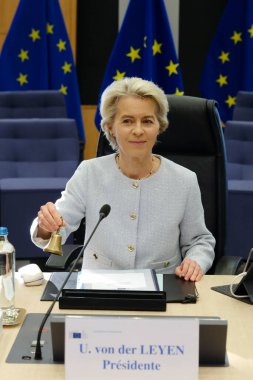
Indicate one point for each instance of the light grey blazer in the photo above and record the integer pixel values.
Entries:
(153, 223)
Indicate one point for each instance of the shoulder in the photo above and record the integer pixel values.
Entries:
(94, 168)
(176, 170)
(97, 163)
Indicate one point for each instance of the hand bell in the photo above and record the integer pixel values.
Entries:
(55, 244)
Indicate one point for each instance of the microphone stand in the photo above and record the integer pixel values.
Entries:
(38, 355)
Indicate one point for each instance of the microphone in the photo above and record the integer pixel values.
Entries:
(103, 213)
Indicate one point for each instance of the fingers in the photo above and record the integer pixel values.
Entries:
(189, 270)
(49, 218)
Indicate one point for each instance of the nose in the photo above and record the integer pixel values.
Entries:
(138, 130)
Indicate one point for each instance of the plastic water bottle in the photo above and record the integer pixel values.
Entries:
(7, 278)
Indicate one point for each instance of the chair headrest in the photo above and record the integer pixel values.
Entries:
(193, 124)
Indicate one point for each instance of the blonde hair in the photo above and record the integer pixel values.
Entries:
(131, 87)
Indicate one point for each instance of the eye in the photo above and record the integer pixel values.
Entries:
(148, 121)
(126, 121)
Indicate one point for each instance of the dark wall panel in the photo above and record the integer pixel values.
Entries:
(197, 24)
(97, 28)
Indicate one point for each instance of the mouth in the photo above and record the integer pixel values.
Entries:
(137, 142)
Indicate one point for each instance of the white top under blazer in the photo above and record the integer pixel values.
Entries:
(154, 223)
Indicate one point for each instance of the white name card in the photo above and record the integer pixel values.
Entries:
(126, 347)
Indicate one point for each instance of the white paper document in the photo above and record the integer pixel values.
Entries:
(137, 279)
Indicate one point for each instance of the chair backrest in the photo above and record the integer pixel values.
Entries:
(38, 148)
(243, 109)
(239, 146)
(28, 104)
(195, 140)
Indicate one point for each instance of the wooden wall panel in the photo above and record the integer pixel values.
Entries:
(91, 131)
(7, 11)
(69, 13)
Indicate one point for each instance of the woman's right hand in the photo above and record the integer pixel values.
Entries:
(49, 220)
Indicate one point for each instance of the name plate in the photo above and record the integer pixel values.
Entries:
(127, 347)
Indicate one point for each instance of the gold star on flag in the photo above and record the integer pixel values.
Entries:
(35, 35)
(222, 80)
(133, 54)
(172, 68)
(236, 37)
(66, 67)
(50, 28)
(63, 90)
(156, 48)
(61, 45)
(22, 79)
(231, 100)
(118, 75)
(224, 56)
(178, 92)
(145, 41)
(251, 31)
(23, 55)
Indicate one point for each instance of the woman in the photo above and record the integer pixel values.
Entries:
(156, 219)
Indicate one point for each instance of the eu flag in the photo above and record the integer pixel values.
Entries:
(228, 67)
(37, 55)
(144, 48)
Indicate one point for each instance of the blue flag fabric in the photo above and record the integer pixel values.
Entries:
(37, 55)
(144, 48)
(229, 63)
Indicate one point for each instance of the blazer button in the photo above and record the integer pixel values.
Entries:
(130, 248)
(135, 185)
(133, 216)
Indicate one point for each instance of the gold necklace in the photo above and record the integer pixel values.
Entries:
(146, 176)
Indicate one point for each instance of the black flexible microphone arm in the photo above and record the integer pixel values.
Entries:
(103, 213)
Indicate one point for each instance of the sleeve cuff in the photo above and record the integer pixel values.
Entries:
(42, 243)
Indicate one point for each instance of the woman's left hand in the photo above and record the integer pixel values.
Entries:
(189, 270)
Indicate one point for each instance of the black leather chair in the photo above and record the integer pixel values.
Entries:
(194, 139)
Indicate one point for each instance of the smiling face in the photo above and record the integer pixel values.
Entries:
(135, 126)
